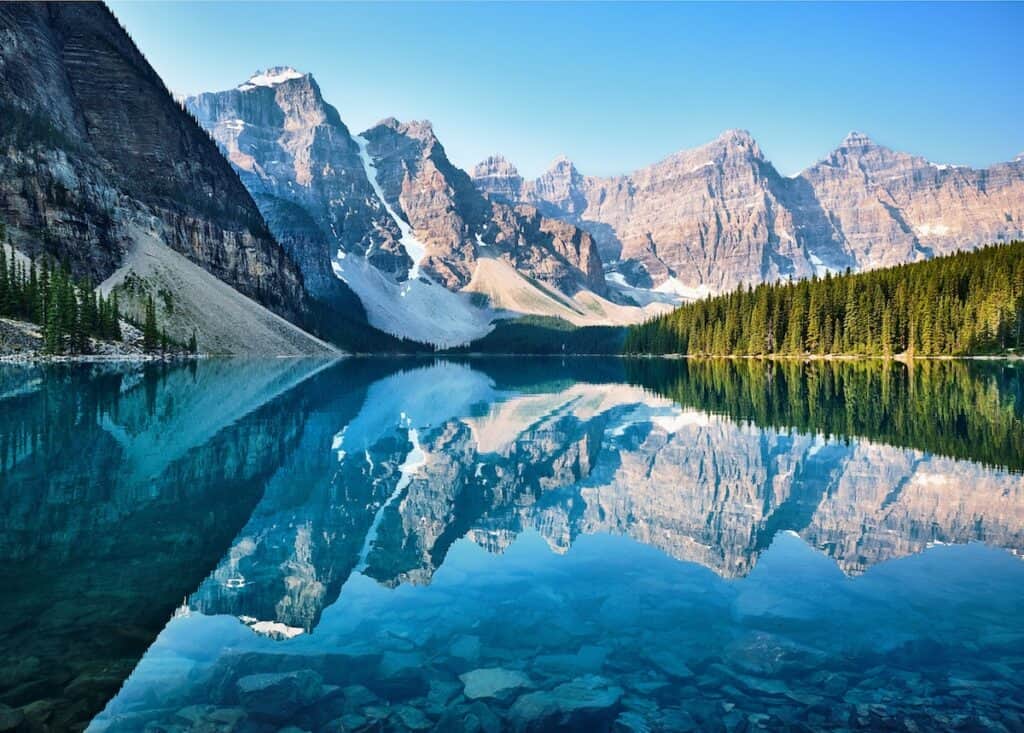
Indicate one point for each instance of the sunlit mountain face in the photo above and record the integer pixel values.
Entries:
(513, 544)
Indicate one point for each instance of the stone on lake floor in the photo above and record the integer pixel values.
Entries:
(466, 647)
(492, 682)
(411, 718)
(279, 695)
(669, 663)
(587, 694)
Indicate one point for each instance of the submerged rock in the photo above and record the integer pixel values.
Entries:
(492, 682)
(587, 694)
(279, 695)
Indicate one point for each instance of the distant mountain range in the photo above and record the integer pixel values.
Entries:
(309, 228)
(706, 220)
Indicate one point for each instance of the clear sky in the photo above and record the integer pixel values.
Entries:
(618, 86)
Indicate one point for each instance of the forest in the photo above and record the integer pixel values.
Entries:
(967, 303)
(68, 312)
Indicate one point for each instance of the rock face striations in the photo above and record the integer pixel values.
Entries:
(96, 153)
(705, 220)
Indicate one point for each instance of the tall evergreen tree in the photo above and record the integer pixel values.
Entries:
(150, 332)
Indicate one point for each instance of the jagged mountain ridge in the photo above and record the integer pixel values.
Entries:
(97, 155)
(430, 257)
(705, 220)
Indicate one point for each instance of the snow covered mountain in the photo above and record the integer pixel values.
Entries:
(705, 220)
(387, 215)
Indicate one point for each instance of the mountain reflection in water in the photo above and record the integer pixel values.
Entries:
(650, 545)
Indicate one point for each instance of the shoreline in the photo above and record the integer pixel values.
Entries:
(37, 358)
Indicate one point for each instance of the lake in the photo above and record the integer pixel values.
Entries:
(512, 544)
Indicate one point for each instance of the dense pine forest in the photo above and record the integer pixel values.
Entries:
(961, 304)
(966, 410)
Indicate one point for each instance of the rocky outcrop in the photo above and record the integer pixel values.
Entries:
(302, 166)
(705, 220)
(457, 225)
(889, 207)
(94, 149)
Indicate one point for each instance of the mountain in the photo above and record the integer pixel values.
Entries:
(387, 215)
(705, 220)
(102, 169)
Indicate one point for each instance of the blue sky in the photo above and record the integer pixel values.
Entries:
(618, 86)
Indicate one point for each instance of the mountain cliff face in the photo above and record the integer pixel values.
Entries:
(386, 214)
(458, 225)
(705, 220)
(303, 168)
(95, 152)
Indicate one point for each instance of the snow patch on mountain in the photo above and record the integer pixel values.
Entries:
(413, 247)
(270, 78)
(940, 230)
(417, 309)
(675, 286)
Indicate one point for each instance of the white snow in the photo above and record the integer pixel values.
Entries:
(270, 78)
(646, 297)
(675, 286)
(683, 419)
(820, 268)
(939, 230)
(413, 247)
(418, 309)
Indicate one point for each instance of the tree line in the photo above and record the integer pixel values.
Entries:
(959, 304)
(69, 312)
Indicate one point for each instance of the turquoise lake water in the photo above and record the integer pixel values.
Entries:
(512, 544)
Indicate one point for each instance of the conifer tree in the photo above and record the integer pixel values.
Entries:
(150, 333)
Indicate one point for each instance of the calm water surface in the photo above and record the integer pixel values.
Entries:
(512, 545)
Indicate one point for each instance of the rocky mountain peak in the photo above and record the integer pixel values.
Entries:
(562, 165)
(857, 140)
(495, 165)
(737, 142)
(736, 136)
(497, 176)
